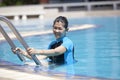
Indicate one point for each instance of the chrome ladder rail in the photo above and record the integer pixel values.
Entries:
(19, 37)
(11, 43)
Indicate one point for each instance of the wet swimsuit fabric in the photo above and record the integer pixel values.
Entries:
(68, 56)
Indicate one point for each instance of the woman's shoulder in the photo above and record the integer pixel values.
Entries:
(67, 42)
(66, 39)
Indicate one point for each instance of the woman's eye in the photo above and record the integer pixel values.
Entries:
(54, 28)
(60, 28)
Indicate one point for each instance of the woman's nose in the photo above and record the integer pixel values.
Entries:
(57, 30)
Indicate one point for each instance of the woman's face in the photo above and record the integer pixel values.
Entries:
(59, 29)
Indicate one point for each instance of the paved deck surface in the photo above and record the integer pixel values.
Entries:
(9, 71)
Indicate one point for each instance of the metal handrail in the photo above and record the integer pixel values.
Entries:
(18, 36)
(11, 43)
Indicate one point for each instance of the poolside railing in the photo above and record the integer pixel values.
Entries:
(41, 10)
(21, 11)
(89, 5)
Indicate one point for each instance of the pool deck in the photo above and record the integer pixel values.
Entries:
(15, 75)
(11, 72)
(6, 74)
(79, 14)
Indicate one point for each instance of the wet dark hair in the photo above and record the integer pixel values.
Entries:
(63, 20)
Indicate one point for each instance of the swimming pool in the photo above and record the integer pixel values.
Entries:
(97, 50)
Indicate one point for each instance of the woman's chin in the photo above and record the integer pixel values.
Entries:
(57, 37)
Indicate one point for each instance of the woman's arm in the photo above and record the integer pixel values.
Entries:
(51, 52)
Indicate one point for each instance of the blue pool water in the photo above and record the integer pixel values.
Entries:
(97, 50)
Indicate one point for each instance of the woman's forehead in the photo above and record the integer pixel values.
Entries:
(59, 24)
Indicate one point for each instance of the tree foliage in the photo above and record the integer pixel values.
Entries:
(18, 2)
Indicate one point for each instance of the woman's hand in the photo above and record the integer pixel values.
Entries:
(20, 51)
(32, 51)
(15, 50)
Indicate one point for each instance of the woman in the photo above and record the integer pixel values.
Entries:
(61, 50)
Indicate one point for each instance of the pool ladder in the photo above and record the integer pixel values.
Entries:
(19, 37)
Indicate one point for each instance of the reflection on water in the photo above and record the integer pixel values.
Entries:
(98, 50)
